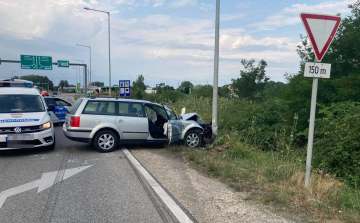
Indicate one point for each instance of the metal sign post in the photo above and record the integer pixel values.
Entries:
(321, 30)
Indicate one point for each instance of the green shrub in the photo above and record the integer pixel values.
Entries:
(337, 141)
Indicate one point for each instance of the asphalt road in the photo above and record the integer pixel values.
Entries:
(106, 188)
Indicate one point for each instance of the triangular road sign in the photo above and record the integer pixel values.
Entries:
(321, 30)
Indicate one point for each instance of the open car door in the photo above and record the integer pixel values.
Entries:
(174, 126)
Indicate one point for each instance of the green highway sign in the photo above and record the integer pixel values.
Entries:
(28, 62)
(36, 62)
(44, 63)
(63, 63)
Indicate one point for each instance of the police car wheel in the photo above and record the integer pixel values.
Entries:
(52, 146)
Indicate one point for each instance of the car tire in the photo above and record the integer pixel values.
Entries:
(106, 141)
(52, 146)
(193, 138)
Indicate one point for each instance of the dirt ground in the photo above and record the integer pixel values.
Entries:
(207, 199)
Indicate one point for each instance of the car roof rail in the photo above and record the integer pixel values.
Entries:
(125, 99)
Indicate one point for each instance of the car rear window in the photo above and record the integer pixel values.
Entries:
(100, 108)
(75, 106)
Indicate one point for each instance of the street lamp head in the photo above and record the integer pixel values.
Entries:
(86, 8)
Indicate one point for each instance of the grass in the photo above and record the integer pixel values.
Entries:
(274, 177)
(277, 179)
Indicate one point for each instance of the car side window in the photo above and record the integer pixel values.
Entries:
(60, 102)
(160, 112)
(50, 101)
(100, 108)
(131, 109)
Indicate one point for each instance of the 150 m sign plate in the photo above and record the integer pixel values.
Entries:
(320, 70)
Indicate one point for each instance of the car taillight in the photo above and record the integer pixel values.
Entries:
(75, 121)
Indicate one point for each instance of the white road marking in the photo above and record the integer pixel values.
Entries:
(73, 161)
(47, 180)
(43, 156)
(86, 161)
(170, 203)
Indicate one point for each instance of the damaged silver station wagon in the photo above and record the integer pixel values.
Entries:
(107, 122)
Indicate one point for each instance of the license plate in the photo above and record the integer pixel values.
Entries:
(20, 141)
(20, 137)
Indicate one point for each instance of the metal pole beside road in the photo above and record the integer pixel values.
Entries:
(311, 130)
(216, 71)
(109, 56)
(86, 8)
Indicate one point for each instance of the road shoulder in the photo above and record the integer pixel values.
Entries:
(207, 199)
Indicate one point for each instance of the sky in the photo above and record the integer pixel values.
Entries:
(167, 41)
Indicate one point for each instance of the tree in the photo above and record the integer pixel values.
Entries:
(252, 80)
(186, 84)
(163, 88)
(39, 79)
(64, 83)
(139, 87)
(203, 90)
(98, 84)
(185, 87)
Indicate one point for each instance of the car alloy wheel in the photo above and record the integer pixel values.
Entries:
(192, 140)
(106, 141)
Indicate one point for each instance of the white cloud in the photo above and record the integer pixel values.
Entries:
(235, 42)
(182, 3)
(205, 7)
(290, 15)
(193, 40)
(161, 40)
(233, 16)
(158, 3)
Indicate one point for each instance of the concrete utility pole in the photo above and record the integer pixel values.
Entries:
(216, 71)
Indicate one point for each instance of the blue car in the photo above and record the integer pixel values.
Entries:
(61, 108)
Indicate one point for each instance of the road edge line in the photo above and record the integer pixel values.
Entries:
(165, 197)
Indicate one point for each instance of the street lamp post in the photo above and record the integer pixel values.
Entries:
(109, 45)
(83, 76)
(90, 62)
(77, 74)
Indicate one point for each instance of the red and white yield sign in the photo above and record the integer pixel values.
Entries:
(321, 30)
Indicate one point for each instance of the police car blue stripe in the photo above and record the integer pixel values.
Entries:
(19, 120)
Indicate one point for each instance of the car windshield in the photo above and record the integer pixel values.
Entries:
(21, 103)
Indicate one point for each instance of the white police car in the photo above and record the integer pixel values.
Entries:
(24, 118)
(61, 108)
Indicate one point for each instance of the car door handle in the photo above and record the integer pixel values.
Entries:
(121, 121)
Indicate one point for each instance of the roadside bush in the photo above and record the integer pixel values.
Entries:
(337, 141)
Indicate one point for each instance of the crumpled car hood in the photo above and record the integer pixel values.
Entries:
(194, 117)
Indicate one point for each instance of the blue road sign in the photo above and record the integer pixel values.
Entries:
(124, 88)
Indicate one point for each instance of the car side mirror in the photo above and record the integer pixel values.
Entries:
(51, 108)
(180, 117)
